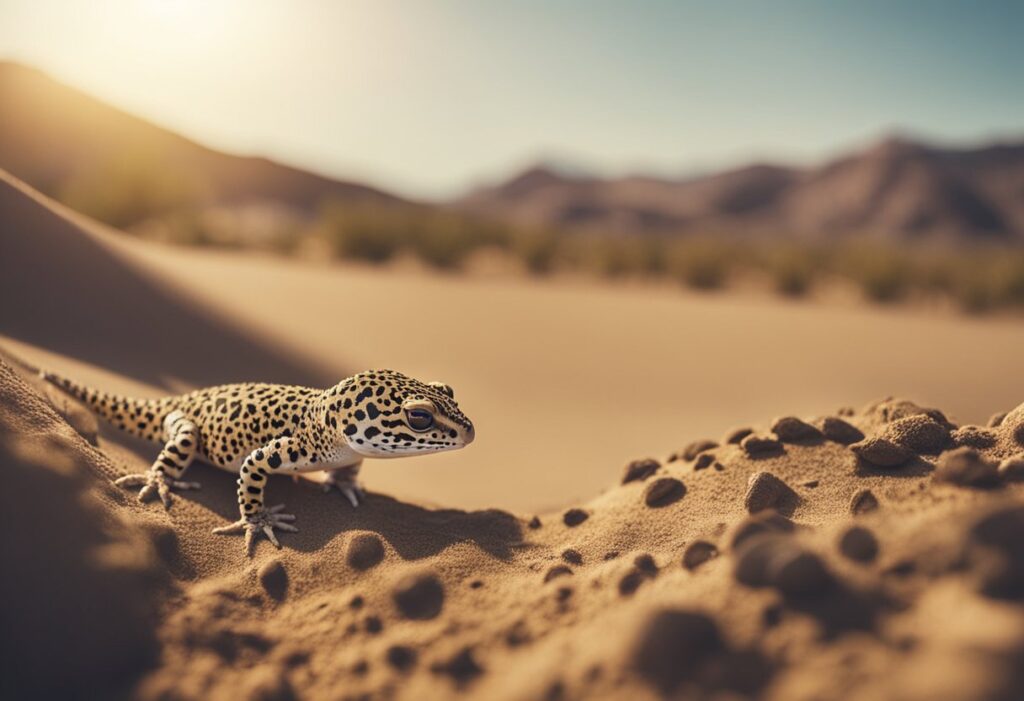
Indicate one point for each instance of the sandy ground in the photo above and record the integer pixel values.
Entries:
(869, 554)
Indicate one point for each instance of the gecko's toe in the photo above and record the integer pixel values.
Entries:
(132, 480)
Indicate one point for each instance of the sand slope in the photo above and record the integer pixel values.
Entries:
(664, 586)
(64, 286)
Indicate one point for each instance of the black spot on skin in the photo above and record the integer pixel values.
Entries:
(372, 411)
(274, 461)
(253, 490)
(371, 431)
(360, 415)
(350, 430)
(293, 456)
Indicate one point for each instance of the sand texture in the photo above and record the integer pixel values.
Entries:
(852, 578)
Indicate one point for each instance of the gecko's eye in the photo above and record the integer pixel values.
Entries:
(419, 419)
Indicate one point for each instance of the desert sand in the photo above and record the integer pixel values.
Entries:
(591, 547)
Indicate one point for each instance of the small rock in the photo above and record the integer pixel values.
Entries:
(672, 645)
(863, 501)
(664, 491)
(799, 574)
(835, 429)
(373, 625)
(639, 470)
(974, 437)
(419, 596)
(703, 461)
(697, 553)
(573, 557)
(645, 563)
(790, 429)
(534, 523)
(765, 522)
(966, 467)
(996, 420)
(556, 572)
(401, 657)
(463, 667)
(630, 582)
(365, 550)
(697, 447)
(810, 484)
(919, 433)
(765, 491)
(574, 517)
(1012, 469)
(858, 543)
(736, 435)
(274, 579)
(760, 446)
(996, 552)
(881, 452)
(773, 560)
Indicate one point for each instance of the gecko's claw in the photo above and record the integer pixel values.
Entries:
(154, 482)
(263, 521)
(348, 486)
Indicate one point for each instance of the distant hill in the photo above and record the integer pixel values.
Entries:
(62, 142)
(896, 189)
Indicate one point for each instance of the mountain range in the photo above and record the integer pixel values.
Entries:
(894, 189)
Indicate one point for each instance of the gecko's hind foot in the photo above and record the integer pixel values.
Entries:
(263, 521)
(154, 482)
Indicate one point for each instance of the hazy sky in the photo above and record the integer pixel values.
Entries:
(429, 97)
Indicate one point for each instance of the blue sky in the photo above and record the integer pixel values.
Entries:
(428, 98)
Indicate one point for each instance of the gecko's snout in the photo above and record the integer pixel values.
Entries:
(470, 434)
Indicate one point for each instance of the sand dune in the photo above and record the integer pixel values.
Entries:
(65, 287)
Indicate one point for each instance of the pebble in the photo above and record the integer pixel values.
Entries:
(365, 550)
(735, 436)
(697, 447)
(779, 562)
(573, 557)
(703, 461)
(966, 467)
(401, 657)
(760, 446)
(672, 645)
(645, 563)
(974, 437)
(697, 553)
(790, 429)
(881, 452)
(858, 543)
(419, 596)
(574, 517)
(1012, 469)
(274, 579)
(765, 522)
(919, 433)
(863, 501)
(639, 470)
(664, 491)
(840, 431)
(997, 552)
(996, 420)
(463, 667)
(765, 491)
(556, 572)
(534, 523)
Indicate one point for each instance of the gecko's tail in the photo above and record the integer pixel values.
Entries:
(140, 417)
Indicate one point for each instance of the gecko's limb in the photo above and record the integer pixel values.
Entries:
(346, 480)
(170, 465)
(283, 455)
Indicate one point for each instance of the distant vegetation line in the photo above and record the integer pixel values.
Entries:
(155, 206)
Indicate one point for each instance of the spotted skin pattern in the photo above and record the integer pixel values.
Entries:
(258, 430)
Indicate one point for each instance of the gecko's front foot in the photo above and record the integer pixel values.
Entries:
(263, 521)
(346, 481)
(154, 482)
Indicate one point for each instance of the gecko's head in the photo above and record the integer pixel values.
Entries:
(385, 414)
